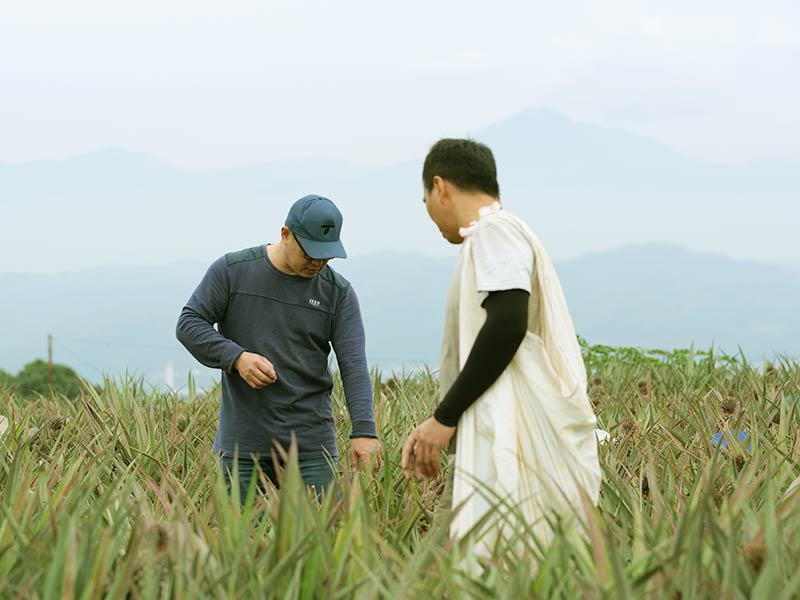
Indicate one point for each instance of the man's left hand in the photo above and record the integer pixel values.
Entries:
(363, 449)
(423, 448)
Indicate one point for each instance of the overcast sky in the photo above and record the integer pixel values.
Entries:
(226, 83)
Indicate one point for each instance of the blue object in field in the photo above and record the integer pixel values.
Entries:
(741, 436)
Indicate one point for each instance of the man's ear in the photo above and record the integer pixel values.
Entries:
(440, 188)
(285, 233)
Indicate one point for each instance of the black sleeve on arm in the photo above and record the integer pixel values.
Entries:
(494, 347)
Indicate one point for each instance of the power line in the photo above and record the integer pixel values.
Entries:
(98, 342)
(80, 360)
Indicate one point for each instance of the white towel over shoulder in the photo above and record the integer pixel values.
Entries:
(529, 441)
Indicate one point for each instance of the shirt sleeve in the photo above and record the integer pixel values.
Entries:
(494, 349)
(207, 306)
(503, 259)
(349, 344)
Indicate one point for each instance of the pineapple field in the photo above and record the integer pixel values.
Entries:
(115, 493)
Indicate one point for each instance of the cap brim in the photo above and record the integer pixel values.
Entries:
(322, 250)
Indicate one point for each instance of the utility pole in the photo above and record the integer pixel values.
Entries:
(50, 361)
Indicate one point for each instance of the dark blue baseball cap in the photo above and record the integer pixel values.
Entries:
(317, 224)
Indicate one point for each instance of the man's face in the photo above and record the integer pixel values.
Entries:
(300, 262)
(440, 212)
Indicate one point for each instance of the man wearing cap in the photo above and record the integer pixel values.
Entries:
(279, 308)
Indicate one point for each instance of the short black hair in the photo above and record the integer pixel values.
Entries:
(467, 164)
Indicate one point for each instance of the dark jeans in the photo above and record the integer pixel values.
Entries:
(316, 472)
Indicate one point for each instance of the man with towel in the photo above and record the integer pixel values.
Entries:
(512, 378)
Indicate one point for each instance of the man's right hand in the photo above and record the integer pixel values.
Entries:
(256, 370)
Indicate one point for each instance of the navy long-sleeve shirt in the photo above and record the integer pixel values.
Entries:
(293, 322)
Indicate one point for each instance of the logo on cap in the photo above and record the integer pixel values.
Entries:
(326, 228)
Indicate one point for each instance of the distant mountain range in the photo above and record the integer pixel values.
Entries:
(583, 188)
(664, 296)
(793, 266)
(122, 318)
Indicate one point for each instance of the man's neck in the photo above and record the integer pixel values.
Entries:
(470, 206)
(275, 256)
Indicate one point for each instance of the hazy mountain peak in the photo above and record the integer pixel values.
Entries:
(538, 117)
(100, 159)
(118, 158)
(546, 141)
(532, 119)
